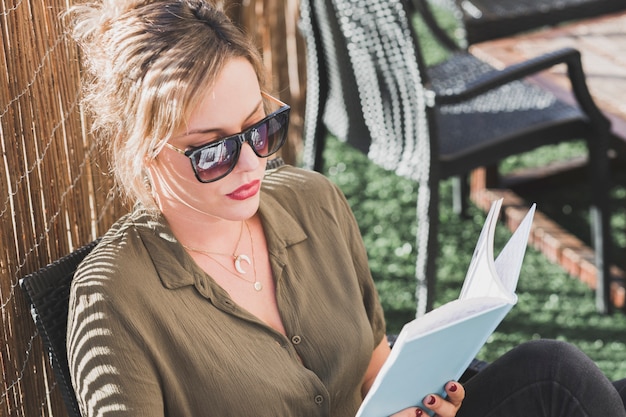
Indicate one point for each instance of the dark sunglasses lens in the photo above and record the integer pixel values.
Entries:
(214, 160)
(270, 135)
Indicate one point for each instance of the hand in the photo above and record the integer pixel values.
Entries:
(442, 407)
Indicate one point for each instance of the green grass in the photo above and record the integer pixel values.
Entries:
(551, 303)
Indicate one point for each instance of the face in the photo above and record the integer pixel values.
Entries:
(232, 105)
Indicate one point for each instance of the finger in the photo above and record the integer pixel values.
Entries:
(410, 412)
(456, 393)
(441, 407)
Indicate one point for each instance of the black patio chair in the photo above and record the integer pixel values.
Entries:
(47, 292)
(484, 20)
(368, 86)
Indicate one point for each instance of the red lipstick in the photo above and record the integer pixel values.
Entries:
(246, 191)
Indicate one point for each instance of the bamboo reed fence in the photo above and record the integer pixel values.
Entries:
(55, 193)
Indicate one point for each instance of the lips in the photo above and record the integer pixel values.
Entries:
(246, 191)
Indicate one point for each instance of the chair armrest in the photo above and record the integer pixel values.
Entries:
(496, 78)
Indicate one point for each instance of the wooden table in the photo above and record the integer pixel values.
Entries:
(602, 43)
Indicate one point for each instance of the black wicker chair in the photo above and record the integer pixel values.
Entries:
(484, 20)
(47, 292)
(368, 85)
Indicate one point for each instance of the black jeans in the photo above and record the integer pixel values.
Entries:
(543, 378)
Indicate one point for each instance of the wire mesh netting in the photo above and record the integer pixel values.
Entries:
(54, 192)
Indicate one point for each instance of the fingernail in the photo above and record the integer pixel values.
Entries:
(431, 400)
(452, 388)
(418, 412)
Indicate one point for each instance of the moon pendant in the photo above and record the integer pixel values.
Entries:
(238, 260)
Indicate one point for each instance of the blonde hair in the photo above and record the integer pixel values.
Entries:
(146, 61)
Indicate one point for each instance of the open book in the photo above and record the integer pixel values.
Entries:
(438, 346)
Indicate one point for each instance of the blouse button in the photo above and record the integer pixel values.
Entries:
(319, 399)
(296, 340)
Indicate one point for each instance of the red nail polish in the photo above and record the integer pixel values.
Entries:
(431, 400)
(418, 413)
(452, 388)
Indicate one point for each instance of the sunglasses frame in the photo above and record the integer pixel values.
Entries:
(240, 138)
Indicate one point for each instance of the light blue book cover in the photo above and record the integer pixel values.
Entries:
(437, 347)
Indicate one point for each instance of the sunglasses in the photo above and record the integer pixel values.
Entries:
(214, 160)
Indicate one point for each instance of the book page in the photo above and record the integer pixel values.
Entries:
(509, 263)
(486, 277)
(482, 279)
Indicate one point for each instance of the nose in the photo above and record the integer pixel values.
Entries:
(248, 160)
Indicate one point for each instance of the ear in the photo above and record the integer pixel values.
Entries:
(149, 181)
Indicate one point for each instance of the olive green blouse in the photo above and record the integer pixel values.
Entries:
(151, 334)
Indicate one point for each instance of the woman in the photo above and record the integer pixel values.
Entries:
(228, 290)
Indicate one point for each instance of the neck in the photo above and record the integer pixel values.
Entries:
(235, 253)
(190, 224)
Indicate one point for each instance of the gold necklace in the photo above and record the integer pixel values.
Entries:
(237, 259)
